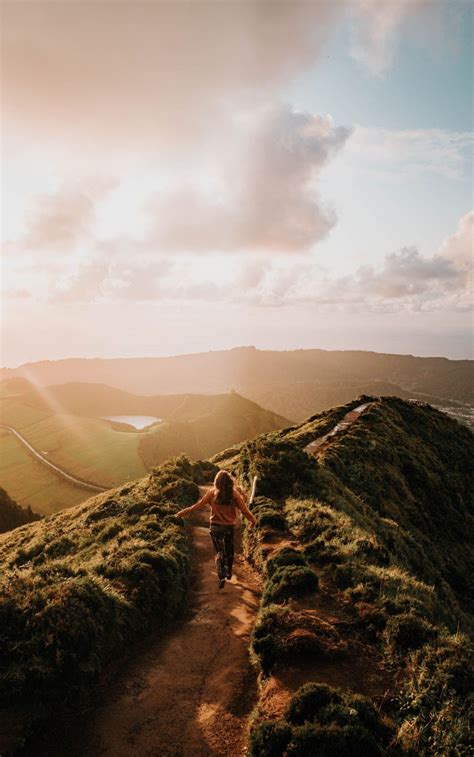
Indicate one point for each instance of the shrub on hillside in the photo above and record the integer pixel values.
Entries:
(281, 466)
(332, 741)
(436, 698)
(409, 631)
(326, 720)
(285, 556)
(182, 490)
(269, 738)
(271, 519)
(309, 700)
(290, 581)
(282, 634)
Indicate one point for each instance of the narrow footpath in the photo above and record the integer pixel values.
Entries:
(189, 694)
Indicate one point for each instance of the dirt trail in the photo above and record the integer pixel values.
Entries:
(189, 694)
(322, 442)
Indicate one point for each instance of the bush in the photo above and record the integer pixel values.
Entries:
(285, 556)
(269, 738)
(309, 700)
(271, 519)
(290, 581)
(281, 466)
(332, 741)
(322, 552)
(282, 634)
(182, 490)
(409, 631)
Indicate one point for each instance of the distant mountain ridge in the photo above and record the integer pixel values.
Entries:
(292, 383)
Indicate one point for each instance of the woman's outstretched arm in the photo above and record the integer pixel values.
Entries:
(205, 500)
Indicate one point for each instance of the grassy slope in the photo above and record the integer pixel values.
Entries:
(384, 525)
(78, 586)
(202, 426)
(31, 483)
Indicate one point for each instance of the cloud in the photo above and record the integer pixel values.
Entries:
(459, 247)
(98, 280)
(263, 197)
(60, 220)
(145, 72)
(269, 201)
(377, 26)
(437, 151)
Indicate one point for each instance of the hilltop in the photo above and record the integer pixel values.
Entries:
(65, 423)
(12, 515)
(364, 552)
(324, 378)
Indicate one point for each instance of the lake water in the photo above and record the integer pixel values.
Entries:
(138, 421)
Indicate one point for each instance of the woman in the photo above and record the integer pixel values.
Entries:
(225, 500)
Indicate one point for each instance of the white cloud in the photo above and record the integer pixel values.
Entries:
(438, 151)
(138, 73)
(269, 201)
(58, 221)
(377, 26)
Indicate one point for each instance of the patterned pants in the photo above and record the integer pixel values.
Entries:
(223, 541)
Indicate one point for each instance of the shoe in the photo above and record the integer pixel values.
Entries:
(229, 576)
(221, 583)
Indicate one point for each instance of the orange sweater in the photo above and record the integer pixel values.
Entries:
(223, 515)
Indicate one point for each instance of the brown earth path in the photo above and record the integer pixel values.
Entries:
(322, 442)
(189, 694)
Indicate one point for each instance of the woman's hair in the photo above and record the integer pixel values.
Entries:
(224, 486)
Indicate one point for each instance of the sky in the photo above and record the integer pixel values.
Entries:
(186, 176)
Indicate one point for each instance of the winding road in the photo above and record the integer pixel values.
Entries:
(59, 471)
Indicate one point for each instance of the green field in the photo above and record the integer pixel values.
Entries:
(89, 448)
(31, 483)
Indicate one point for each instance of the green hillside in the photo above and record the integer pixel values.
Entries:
(64, 424)
(78, 586)
(366, 551)
(12, 514)
(365, 555)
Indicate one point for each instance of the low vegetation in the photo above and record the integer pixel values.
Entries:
(77, 587)
(320, 720)
(384, 518)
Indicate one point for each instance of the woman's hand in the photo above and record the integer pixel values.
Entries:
(183, 513)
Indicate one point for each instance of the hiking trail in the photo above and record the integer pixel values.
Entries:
(189, 693)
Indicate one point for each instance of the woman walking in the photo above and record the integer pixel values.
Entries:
(225, 500)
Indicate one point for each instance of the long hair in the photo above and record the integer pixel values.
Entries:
(224, 486)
